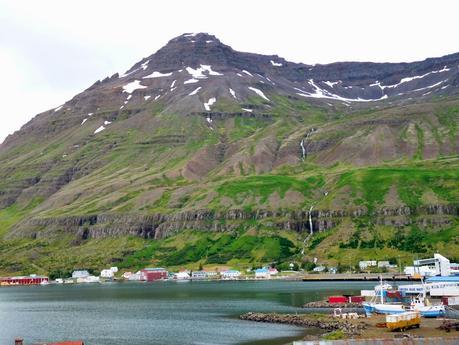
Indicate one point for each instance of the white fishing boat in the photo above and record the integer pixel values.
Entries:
(423, 305)
(374, 306)
(419, 303)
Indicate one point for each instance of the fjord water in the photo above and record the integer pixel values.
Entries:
(163, 313)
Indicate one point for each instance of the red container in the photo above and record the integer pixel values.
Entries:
(337, 299)
(356, 299)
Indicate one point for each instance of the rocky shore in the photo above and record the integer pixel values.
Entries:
(325, 323)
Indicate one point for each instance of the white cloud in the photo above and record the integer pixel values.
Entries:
(53, 49)
(21, 97)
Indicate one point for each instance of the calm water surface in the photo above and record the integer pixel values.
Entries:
(163, 313)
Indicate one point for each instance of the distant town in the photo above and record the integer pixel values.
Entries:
(367, 270)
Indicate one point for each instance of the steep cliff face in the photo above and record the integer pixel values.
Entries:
(158, 226)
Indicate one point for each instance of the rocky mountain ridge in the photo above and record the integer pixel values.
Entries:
(193, 71)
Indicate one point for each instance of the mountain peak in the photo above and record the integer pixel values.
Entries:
(189, 49)
(197, 37)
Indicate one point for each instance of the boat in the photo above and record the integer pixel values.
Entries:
(372, 306)
(451, 313)
(419, 304)
(422, 305)
(389, 308)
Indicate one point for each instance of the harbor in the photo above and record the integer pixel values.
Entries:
(160, 313)
(327, 306)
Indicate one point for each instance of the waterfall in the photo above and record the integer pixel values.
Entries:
(303, 149)
(311, 228)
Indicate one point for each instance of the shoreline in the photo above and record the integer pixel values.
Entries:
(346, 329)
(319, 321)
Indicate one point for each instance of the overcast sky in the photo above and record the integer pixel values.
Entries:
(51, 50)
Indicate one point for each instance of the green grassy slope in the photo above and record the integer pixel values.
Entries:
(155, 162)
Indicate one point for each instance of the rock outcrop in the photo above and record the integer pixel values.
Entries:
(325, 323)
(157, 226)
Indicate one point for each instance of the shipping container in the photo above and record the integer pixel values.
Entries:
(337, 299)
(356, 299)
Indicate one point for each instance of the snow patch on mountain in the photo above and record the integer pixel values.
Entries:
(246, 72)
(276, 64)
(191, 81)
(58, 108)
(233, 93)
(195, 91)
(144, 66)
(259, 93)
(408, 79)
(198, 73)
(429, 87)
(320, 93)
(332, 83)
(132, 86)
(156, 74)
(270, 81)
(209, 103)
(247, 110)
(98, 130)
(146, 97)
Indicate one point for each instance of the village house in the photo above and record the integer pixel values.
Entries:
(199, 275)
(212, 274)
(80, 274)
(273, 271)
(107, 274)
(363, 265)
(230, 274)
(262, 273)
(384, 264)
(182, 275)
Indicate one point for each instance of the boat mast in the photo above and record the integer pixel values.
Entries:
(381, 289)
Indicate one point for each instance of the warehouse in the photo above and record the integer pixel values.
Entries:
(23, 280)
(152, 274)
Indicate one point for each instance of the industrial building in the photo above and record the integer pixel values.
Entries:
(23, 280)
(152, 274)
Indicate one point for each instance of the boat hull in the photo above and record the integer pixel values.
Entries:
(432, 312)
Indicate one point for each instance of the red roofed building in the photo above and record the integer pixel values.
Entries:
(20, 341)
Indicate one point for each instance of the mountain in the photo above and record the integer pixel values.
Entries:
(202, 153)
